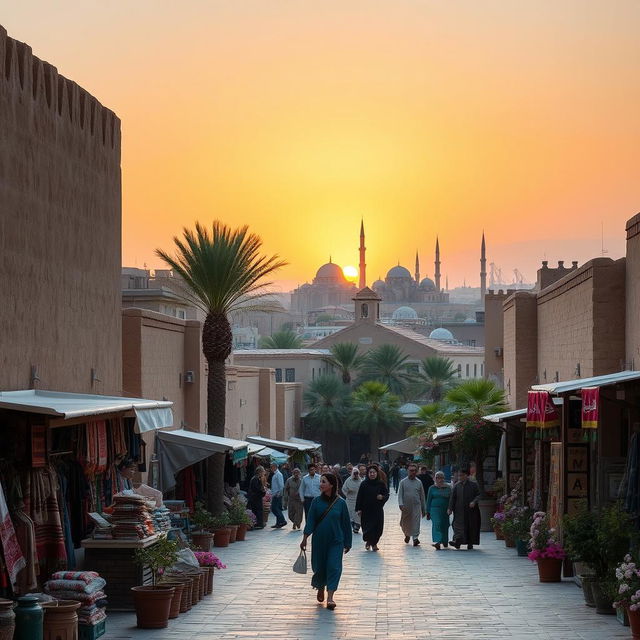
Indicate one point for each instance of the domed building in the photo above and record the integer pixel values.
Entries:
(442, 334)
(404, 313)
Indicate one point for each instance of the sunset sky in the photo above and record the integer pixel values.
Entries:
(423, 117)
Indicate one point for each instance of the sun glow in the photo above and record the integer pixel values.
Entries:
(350, 273)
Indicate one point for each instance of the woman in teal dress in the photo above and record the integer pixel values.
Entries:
(329, 523)
(437, 505)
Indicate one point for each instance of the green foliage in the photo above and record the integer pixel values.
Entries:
(281, 340)
(430, 417)
(201, 518)
(473, 399)
(347, 359)
(220, 521)
(387, 364)
(434, 378)
(374, 408)
(238, 512)
(327, 399)
(517, 523)
(158, 556)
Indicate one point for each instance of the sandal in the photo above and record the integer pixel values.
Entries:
(331, 605)
(320, 595)
(375, 548)
(367, 546)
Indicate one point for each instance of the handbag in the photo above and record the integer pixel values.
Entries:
(300, 565)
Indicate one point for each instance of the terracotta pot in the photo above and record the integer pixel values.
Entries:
(587, 590)
(549, 569)
(176, 601)
(242, 532)
(634, 623)
(195, 591)
(185, 600)
(203, 540)
(499, 534)
(209, 587)
(221, 537)
(7, 619)
(60, 620)
(152, 605)
(233, 530)
(604, 605)
(203, 582)
(510, 543)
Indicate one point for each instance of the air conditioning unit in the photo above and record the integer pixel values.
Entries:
(498, 352)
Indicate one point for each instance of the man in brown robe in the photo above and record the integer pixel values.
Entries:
(466, 514)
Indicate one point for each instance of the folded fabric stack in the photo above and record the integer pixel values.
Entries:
(85, 587)
(130, 517)
(161, 517)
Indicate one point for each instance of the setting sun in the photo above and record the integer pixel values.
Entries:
(350, 273)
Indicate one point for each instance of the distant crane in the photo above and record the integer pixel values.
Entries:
(495, 274)
(519, 278)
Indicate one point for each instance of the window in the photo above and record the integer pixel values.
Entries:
(467, 371)
(475, 370)
(364, 310)
(472, 343)
(289, 375)
(278, 375)
(459, 371)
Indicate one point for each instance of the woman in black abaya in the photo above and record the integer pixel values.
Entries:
(372, 495)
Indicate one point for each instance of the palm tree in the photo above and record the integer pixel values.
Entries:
(374, 409)
(281, 340)
(436, 376)
(430, 417)
(327, 399)
(387, 364)
(470, 401)
(345, 357)
(221, 271)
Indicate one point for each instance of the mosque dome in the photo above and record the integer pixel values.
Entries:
(405, 313)
(469, 321)
(427, 284)
(398, 272)
(330, 272)
(378, 284)
(442, 334)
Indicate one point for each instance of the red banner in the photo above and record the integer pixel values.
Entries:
(541, 413)
(590, 407)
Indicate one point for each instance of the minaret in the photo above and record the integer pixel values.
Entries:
(417, 268)
(437, 263)
(483, 270)
(363, 265)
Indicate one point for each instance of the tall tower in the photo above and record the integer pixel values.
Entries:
(362, 283)
(483, 270)
(437, 265)
(417, 274)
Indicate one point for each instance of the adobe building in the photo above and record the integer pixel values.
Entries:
(60, 228)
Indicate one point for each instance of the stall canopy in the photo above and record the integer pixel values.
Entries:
(408, 445)
(445, 432)
(516, 413)
(280, 444)
(311, 443)
(150, 414)
(177, 450)
(567, 386)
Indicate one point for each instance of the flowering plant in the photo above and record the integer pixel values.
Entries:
(517, 522)
(266, 500)
(628, 578)
(498, 519)
(209, 559)
(253, 521)
(542, 542)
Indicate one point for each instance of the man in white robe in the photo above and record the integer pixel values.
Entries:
(411, 500)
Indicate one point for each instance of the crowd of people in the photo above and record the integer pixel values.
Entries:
(340, 501)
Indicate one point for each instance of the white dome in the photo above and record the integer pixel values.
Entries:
(405, 313)
(442, 334)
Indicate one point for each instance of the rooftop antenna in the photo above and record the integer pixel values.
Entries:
(602, 249)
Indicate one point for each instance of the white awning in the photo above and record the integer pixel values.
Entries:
(280, 444)
(311, 443)
(179, 449)
(581, 383)
(150, 414)
(443, 432)
(408, 445)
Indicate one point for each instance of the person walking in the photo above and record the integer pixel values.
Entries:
(372, 495)
(309, 488)
(350, 489)
(412, 503)
(277, 490)
(425, 477)
(255, 494)
(291, 498)
(463, 504)
(395, 476)
(437, 504)
(328, 523)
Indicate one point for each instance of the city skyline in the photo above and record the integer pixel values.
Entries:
(425, 119)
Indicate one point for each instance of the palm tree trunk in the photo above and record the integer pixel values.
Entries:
(216, 403)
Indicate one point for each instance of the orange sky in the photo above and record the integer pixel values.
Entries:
(425, 117)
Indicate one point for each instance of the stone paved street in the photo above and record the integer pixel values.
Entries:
(400, 592)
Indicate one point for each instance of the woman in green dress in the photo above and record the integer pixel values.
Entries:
(329, 523)
(437, 505)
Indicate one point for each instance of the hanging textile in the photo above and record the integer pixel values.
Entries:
(13, 558)
(590, 411)
(542, 415)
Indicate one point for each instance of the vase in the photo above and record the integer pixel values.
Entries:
(604, 604)
(549, 569)
(522, 546)
(7, 619)
(634, 623)
(587, 590)
(153, 605)
(221, 537)
(242, 532)
(233, 530)
(202, 540)
(29, 616)
(60, 620)
(510, 543)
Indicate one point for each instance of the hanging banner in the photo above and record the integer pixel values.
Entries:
(541, 413)
(590, 407)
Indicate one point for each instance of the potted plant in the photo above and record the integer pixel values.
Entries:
(545, 550)
(517, 525)
(497, 521)
(628, 592)
(238, 516)
(220, 527)
(153, 602)
(202, 520)
(210, 561)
